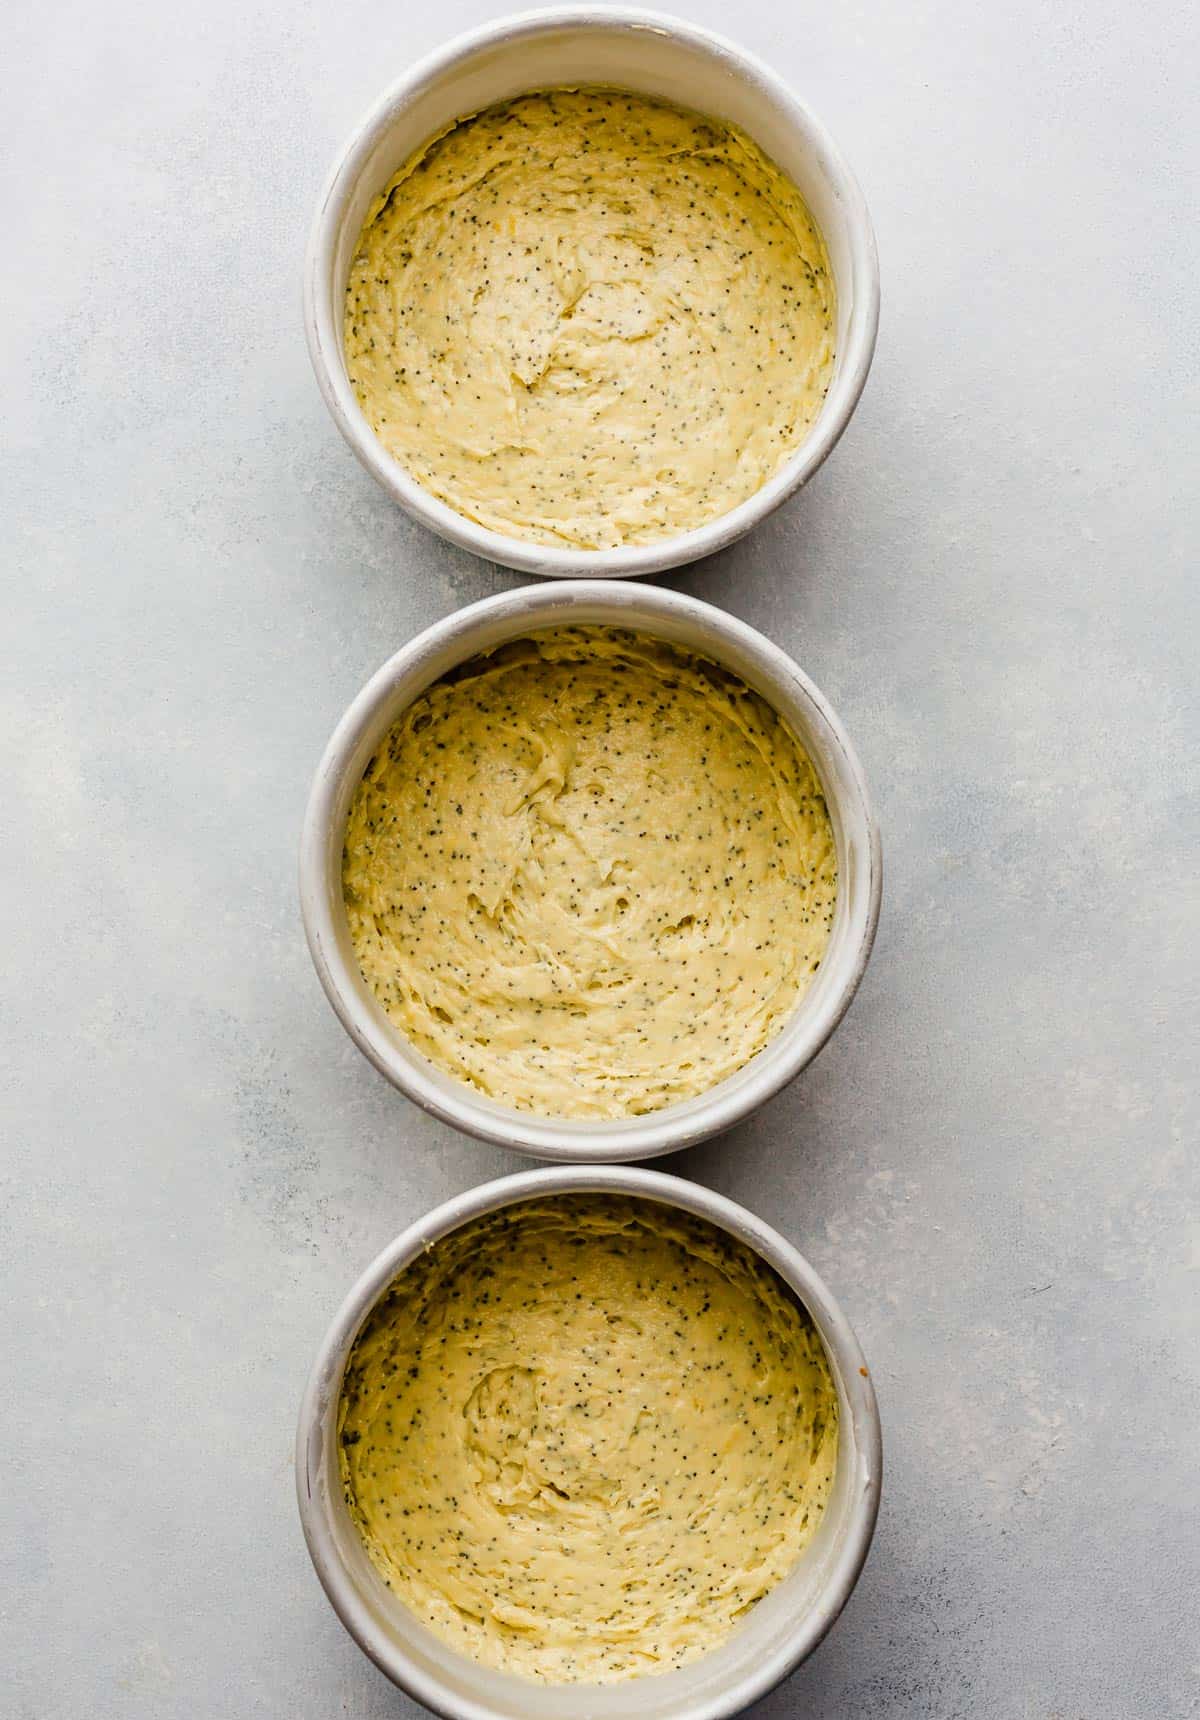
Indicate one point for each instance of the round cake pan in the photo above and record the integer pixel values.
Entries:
(683, 621)
(777, 1634)
(653, 55)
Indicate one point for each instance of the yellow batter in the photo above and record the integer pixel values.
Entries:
(590, 874)
(584, 317)
(583, 1436)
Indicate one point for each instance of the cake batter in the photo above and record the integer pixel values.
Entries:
(587, 318)
(582, 1436)
(589, 873)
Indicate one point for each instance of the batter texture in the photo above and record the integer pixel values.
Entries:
(585, 317)
(589, 873)
(581, 1437)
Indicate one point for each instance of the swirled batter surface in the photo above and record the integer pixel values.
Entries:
(585, 317)
(589, 873)
(581, 1437)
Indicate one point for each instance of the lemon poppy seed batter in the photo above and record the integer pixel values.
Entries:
(589, 873)
(582, 1436)
(588, 318)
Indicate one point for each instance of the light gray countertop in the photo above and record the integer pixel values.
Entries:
(993, 1163)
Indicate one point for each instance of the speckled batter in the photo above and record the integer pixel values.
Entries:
(588, 318)
(590, 874)
(581, 1437)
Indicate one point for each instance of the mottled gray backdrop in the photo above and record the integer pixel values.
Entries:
(994, 1161)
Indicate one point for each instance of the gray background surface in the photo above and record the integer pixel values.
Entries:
(994, 1161)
